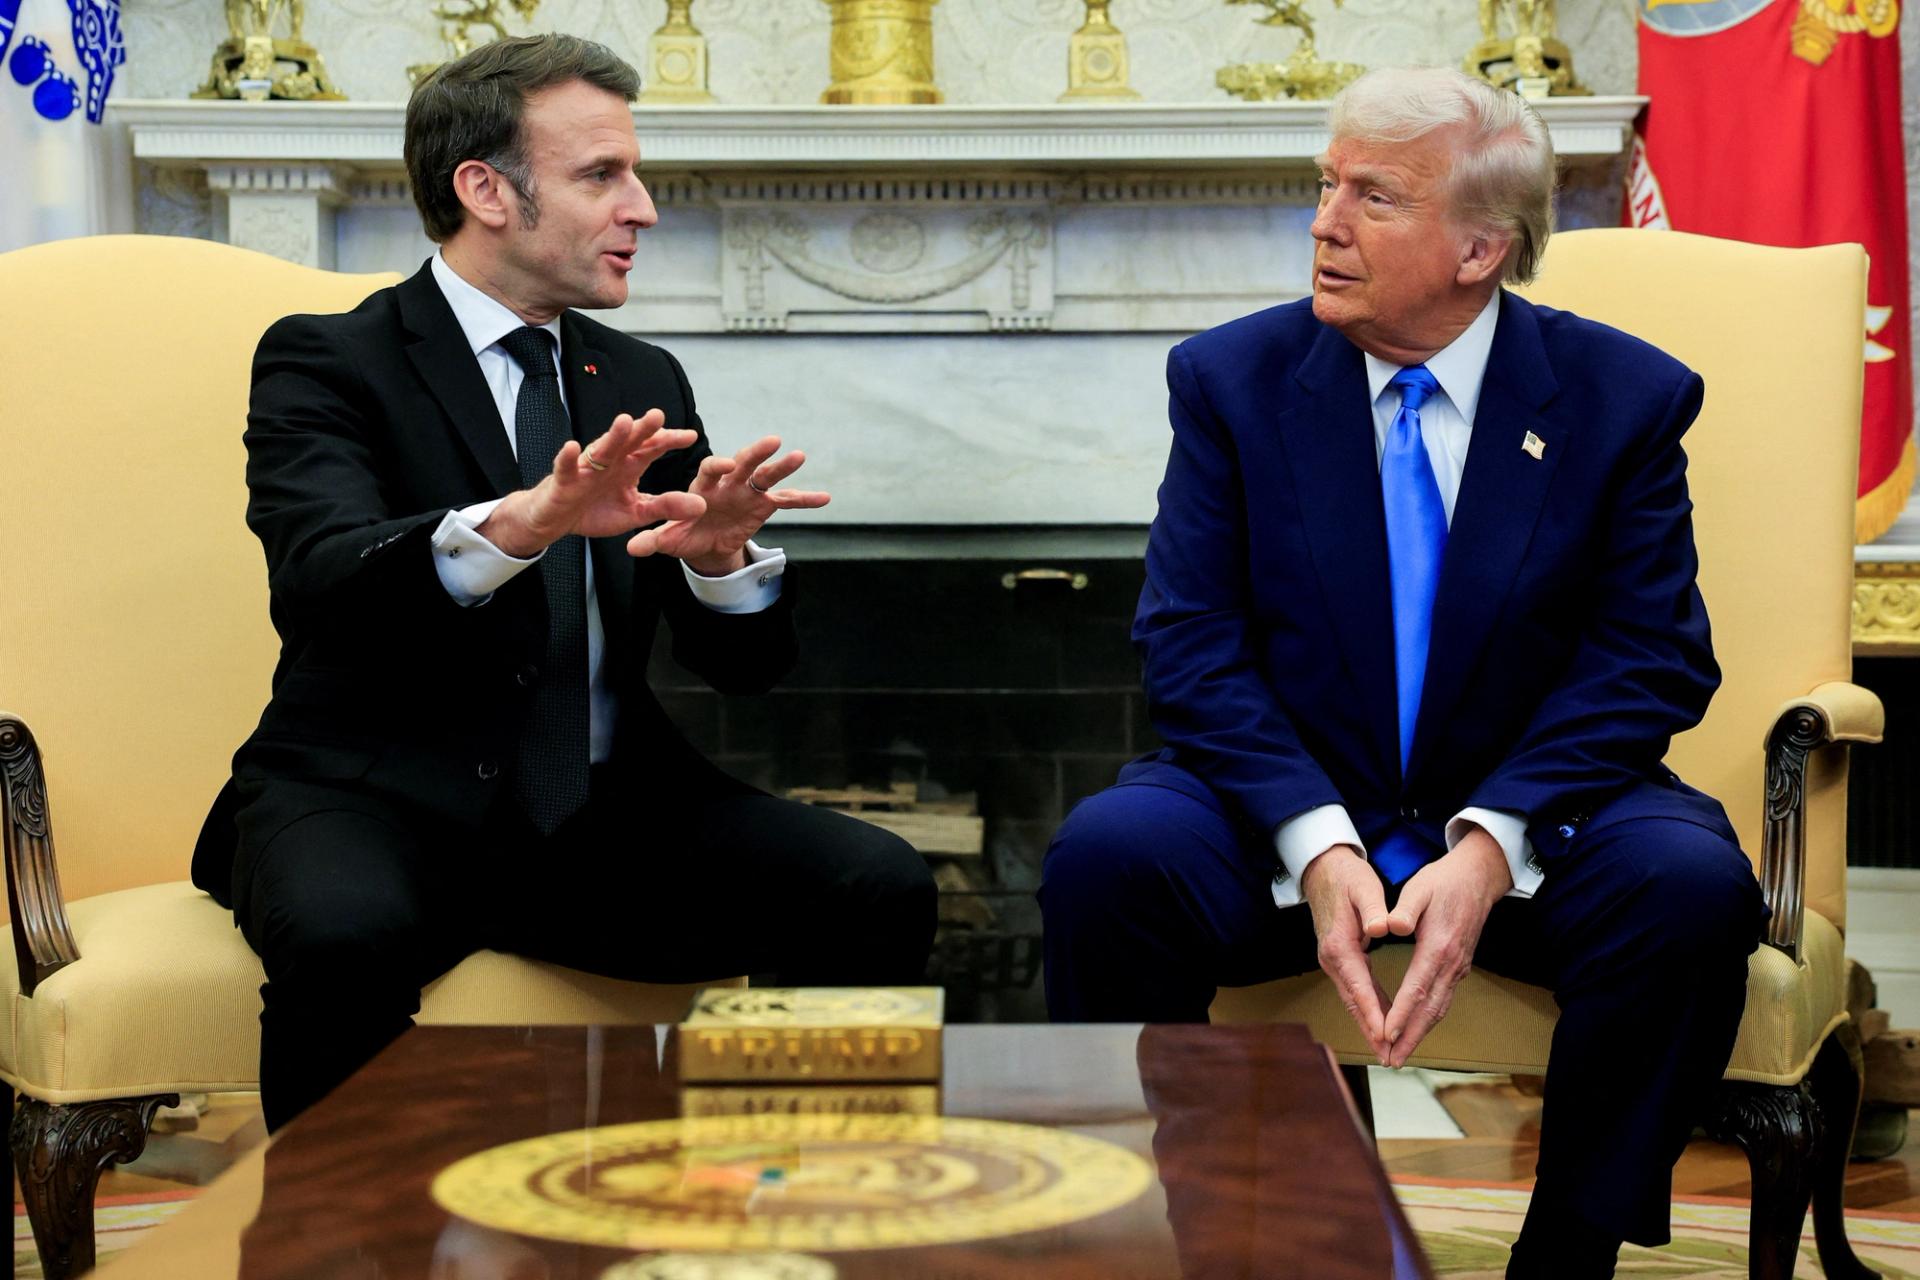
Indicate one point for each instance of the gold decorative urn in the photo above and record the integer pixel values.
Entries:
(882, 52)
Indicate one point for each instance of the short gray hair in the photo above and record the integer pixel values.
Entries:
(1503, 173)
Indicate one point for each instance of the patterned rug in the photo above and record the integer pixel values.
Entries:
(1465, 1227)
(118, 1223)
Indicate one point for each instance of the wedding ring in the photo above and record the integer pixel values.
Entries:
(756, 488)
(592, 461)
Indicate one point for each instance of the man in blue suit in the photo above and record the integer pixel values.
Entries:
(1420, 619)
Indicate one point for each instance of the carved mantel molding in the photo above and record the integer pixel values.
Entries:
(1886, 605)
(933, 219)
(1053, 136)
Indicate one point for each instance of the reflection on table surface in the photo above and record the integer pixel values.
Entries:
(1252, 1166)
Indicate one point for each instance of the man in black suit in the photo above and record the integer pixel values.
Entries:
(461, 751)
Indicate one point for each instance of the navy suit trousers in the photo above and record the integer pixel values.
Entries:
(1154, 896)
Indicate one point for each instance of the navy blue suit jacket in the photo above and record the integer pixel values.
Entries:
(1569, 639)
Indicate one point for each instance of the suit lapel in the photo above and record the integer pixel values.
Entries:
(1501, 493)
(440, 353)
(592, 404)
(1328, 438)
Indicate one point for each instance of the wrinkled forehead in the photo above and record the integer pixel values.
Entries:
(1428, 157)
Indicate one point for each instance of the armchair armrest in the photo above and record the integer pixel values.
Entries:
(1852, 714)
(42, 940)
(1833, 714)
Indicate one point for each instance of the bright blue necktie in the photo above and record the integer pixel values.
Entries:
(1416, 541)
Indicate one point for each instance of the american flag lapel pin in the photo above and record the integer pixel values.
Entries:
(1534, 446)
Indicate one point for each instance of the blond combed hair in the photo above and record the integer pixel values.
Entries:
(1503, 174)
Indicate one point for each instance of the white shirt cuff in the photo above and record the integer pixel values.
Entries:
(1304, 837)
(747, 590)
(1509, 831)
(470, 567)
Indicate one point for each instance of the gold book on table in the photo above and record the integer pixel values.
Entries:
(826, 1035)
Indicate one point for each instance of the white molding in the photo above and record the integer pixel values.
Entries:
(1883, 933)
(1259, 135)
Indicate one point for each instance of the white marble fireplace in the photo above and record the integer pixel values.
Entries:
(962, 313)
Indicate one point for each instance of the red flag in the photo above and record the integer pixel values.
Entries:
(1778, 122)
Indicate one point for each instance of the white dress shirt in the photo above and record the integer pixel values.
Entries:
(472, 568)
(1446, 428)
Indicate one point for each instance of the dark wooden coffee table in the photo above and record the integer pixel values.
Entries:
(1102, 1152)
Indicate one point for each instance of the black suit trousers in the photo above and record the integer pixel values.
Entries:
(356, 904)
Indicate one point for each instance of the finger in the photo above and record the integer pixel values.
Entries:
(798, 499)
(646, 542)
(752, 456)
(713, 469)
(643, 426)
(569, 463)
(1353, 979)
(1429, 973)
(1405, 917)
(617, 439)
(1425, 1018)
(652, 445)
(1369, 904)
(672, 505)
(771, 474)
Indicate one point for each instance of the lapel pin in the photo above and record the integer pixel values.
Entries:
(594, 368)
(1534, 446)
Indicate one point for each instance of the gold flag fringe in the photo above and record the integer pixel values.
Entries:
(1881, 505)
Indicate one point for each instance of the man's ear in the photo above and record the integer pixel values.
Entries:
(1484, 258)
(483, 193)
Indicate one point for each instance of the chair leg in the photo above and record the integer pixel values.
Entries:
(1837, 1082)
(13, 1258)
(1356, 1078)
(1778, 1126)
(59, 1152)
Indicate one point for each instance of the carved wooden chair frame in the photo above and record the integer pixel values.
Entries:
(59, 1149)
(1796, 1137)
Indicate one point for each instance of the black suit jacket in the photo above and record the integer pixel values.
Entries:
(364, 430)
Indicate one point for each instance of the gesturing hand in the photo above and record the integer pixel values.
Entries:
(1348, 908)
(593, 491)
(738, 494)
(1447, 901)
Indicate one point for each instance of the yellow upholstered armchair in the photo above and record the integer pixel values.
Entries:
(134, 641)
(1777, 334)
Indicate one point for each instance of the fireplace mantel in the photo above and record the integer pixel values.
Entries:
(804, 254)
(366, 137)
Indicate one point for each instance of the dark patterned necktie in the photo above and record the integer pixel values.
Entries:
(550, 765)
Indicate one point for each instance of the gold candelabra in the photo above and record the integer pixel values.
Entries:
(1304, 75)
(459, 19)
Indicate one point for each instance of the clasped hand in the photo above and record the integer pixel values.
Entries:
(1443, 907)
(594, 491)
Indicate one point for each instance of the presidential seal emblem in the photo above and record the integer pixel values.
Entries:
(1697, 17)
(776, 1184)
